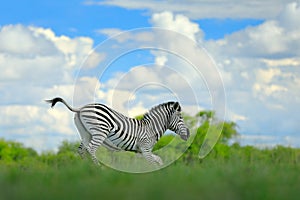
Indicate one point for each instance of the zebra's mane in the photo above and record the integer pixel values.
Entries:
(153, 109)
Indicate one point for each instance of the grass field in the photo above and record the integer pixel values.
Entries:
(227, 173)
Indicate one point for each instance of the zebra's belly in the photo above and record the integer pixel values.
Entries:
(111, 146)
(121, 142)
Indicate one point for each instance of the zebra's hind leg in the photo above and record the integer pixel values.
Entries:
(96, 141)
(92, 150)
(81, 150)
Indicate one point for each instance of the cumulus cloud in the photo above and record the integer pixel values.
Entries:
(178, 23)
(36, 64)
(163, 83)
(36, 126)
(179, 65)
(41, 52)
(190, 60)
(20, 40)
(263, 63)
(277, 38)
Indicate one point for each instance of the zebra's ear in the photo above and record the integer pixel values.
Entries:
(177, 107)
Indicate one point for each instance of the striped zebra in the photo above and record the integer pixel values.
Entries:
(101, 125)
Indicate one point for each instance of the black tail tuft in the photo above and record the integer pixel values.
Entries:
(58, 99)
(54, 101)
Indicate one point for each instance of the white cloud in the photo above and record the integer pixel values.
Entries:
(51, 58)
(268, 141)
(20, 40)
(36, 125)
(191, 61)
(79, 46)
(58, 120)
(181, 67)
(123, 36)
(265, 84)
(161, 60)
(197, 9)
(274, 39)
(134, 77)
(268, 90)
(282, 62)
(87, 90)
(148, 84)
(235, 117)
(110, 32)
(290, 15)
(259, 41)
(266, 75)
(36, 64)
(178, 23)
(41, 61)
(175, 77)
(264, 71)
(93, 60)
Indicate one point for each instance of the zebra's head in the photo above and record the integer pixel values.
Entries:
(176, 122)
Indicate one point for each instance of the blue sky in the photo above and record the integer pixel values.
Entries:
(76, 18)
(72, 18)
(45, 51)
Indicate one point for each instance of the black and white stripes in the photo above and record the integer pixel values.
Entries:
(101, 125)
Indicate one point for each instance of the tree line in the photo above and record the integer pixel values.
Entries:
(11, 151)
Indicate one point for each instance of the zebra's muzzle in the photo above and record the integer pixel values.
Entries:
(185, 136)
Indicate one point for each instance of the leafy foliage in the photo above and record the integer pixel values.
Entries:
(165, 140)
(139, 117)
(235, 172)
(14, 151)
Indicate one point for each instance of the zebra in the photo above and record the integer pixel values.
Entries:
(100, 125)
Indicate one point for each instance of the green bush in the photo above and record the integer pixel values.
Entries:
(14, 151)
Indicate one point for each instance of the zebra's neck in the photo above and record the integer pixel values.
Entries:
(158, 122)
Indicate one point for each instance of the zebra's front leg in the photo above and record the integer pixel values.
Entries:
(152, 158)
(157, 159)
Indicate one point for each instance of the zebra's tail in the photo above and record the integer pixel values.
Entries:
(58, 99)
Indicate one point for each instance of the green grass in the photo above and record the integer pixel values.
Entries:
(216, 177)
(228, 172)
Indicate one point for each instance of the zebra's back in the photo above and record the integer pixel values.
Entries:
(103, 124)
